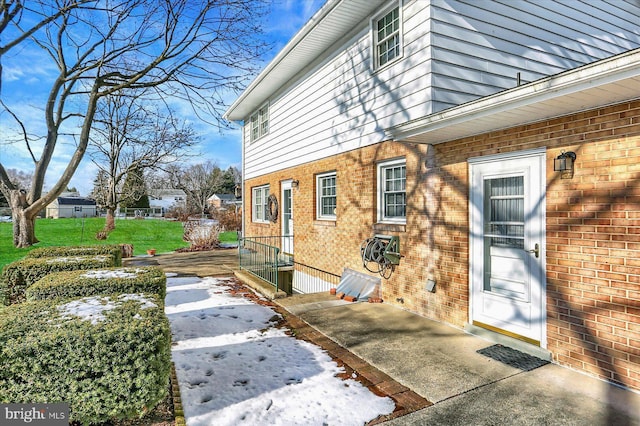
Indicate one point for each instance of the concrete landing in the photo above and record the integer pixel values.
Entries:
(441, 364)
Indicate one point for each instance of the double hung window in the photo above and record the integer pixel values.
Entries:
(392, 192)
(259, 123)
(259, 203)
(326, 189)
(387, 37)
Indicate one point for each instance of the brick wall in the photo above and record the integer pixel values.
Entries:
(593, 230)
(593, 246)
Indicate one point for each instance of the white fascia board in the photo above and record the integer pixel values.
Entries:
(231, 114)
(300, 51)
(490, 110)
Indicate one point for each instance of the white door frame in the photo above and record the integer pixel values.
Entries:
(286, 228)
(535, 233)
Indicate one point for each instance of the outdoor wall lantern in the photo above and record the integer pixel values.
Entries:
(295, 183)
(564, 163)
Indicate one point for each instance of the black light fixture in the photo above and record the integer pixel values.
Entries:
(295, 183)
(564, 162)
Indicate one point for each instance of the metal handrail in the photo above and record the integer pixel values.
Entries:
(262, 257)
(259, 259)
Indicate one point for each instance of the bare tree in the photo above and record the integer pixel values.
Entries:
(131, 133)
(199, 182)
(196, 51)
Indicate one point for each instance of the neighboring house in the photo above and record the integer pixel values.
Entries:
(166, 199)
(224, 201)
(440, 123)
(73, 206)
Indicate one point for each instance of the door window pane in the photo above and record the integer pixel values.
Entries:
(504, 211)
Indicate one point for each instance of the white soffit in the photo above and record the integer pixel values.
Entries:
(331, 23)
(609, 81)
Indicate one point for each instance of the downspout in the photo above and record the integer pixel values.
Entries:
(242, 188)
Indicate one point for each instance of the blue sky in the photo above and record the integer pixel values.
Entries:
(286, 17)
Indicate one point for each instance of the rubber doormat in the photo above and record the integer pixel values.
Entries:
(513, 357)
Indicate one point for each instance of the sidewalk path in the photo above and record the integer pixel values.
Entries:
(236, 363)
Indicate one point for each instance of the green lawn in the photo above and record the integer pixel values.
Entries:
(164, 236)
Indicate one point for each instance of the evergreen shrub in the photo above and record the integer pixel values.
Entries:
(91, 282)
(18, 276)
(109, 357)
(57, 251)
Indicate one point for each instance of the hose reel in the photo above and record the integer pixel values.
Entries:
(381, 254)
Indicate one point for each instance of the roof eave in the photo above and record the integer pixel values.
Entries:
(300, 35)
(287, 64)
(489, 113)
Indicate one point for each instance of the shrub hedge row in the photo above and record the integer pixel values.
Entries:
(61, 251)
(107, 356)
(68, 284)
(18, 276)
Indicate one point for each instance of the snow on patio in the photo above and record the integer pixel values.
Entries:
(234, 366)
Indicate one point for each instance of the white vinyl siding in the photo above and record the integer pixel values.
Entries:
(341, 103)
(392, 191)
(326, 190)
(259, 204)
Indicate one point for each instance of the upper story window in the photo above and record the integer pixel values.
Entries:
(392, 191)
(259, 203)
(260, 123)
(387, 37)
(326, 190)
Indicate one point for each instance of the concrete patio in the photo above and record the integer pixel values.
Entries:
(432, 370)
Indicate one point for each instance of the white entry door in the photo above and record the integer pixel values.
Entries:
(287, 217)
(507, 214)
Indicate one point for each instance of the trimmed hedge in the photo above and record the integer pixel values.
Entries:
(60, 251)
(68, 284)
(18, 276)
(113, 364)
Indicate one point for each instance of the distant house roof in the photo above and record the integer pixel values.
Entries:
(167, 192)
(76, 201)
(228, 198)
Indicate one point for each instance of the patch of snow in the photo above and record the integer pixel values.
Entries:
(103, 274)
(144, 302)
(235, 367)
(76, 259)
(94, 308)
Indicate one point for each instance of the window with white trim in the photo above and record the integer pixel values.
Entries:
(392, 191)
(259, 203)
(387, 37)
(259, 122)
(326, 190)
